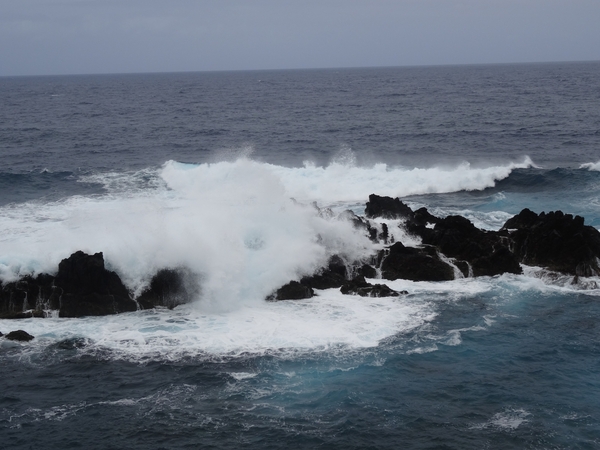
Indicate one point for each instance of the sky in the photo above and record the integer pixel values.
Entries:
(48, 37)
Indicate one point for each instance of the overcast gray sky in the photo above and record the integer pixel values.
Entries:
(114, 36)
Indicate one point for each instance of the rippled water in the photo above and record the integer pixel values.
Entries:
(198, 170)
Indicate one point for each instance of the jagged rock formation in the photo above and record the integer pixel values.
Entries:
(453, 247)
(88, 289)
(556, 241)
(416, 264)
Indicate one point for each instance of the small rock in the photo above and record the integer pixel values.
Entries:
(292, 291)
(19, 335)
(359, 286)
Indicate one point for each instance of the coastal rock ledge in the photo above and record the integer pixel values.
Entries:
(452, 247)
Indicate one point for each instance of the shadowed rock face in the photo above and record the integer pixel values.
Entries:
(88, 289)
(387, 208)
(416, 264)
(28, 297)
(487, 252)
(556, 241)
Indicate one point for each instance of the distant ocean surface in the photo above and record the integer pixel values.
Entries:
(210, 171)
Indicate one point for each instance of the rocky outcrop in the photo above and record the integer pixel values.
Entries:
(556, 241)
(416, 264)
(474, 252)
(452, 247)
(88, 289)
(386, 208)
(486, 252)
(84, 287)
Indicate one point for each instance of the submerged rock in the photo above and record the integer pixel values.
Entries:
(19, 335)
(72, 343)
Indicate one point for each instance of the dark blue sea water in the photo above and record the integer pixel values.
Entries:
(198, 170)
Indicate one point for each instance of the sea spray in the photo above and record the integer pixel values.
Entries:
(233, 224)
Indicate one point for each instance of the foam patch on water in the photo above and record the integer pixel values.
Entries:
(508, 420)
(329, 322)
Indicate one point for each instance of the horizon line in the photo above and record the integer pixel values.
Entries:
(407, 66)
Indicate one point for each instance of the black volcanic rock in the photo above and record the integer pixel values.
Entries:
(292, 291)
(19, 335)
(416, 264)
(367, 271)
(28, 297)
(386, 208)
(169, 287)
(332, 276)
(88, 289)
(359, 286)
(556, 241)
(486, 252)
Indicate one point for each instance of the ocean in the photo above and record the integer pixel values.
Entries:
(215, 172)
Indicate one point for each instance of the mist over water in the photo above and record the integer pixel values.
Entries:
(218, 173)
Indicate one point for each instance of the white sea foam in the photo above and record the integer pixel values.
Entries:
(233, 224)
(344, 181)
(329, 322)
(591, 166)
